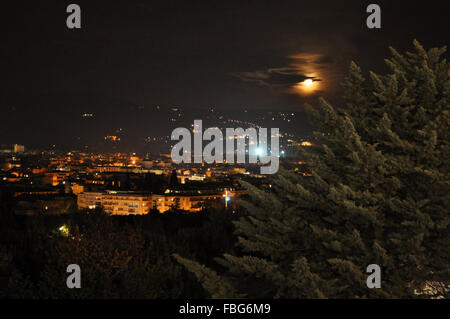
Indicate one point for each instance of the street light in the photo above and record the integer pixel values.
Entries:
(227, 198)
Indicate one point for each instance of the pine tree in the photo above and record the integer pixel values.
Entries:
(378, 194)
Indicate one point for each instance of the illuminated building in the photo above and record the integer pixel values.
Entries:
(89, 200)
(39, 170)
(140, 203)
(193, 177)
(55, 178)
(112, 138)
(19, 148)
(126, 203)
(77, 189)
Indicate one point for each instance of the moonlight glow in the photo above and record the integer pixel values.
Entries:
(306, 87)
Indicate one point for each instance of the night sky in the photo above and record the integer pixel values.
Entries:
(195, 54)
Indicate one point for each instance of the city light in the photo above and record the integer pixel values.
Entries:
(64, 230)
(259, 151)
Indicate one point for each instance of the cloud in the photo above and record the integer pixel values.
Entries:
(275, 77)
(286, 78)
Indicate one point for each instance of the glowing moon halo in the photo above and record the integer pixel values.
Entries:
(306, 87)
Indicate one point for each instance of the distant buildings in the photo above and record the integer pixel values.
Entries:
(19, 148)
(56, 178)
(140, 203)
(123, 183)
(15, 148)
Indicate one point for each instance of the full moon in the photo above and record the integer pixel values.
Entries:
(306, 87)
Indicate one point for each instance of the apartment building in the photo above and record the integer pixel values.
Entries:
(140, 203)
(126, 203)
(89, 200)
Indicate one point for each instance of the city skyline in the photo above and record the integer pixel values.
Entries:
(129, 58)
(256, 152)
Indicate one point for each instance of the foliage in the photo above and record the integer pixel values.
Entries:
(378, 194)
(119, 256)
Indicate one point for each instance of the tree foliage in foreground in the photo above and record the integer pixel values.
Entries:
(119, 256)
(378, 194)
